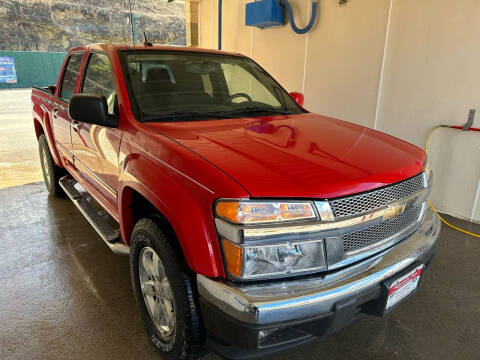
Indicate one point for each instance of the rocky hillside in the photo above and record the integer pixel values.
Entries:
(57, 25)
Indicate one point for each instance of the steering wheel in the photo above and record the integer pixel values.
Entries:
(237, 95)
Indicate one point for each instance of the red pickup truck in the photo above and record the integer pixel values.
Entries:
(252, 225)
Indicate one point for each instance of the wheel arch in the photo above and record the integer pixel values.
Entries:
(38, 128)
(137, 202)
(43, 127)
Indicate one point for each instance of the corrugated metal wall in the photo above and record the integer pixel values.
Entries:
(34, 68)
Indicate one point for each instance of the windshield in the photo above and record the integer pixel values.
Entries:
(174, 86)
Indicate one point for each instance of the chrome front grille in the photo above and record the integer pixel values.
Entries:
(359, 204)
(380, 232)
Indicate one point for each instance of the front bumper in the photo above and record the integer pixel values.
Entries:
(308, 308)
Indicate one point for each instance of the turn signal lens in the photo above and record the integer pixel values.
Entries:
(233, 258)
(227, 210)
(250, 212)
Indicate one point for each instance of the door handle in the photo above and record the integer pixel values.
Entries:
(75, 125)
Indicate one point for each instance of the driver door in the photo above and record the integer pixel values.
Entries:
(95, 148)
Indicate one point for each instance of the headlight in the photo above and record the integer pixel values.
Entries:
(276, 260)
(255, 212)
(279, 256)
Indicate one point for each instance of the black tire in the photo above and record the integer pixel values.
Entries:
(51, 172)
(188, 339)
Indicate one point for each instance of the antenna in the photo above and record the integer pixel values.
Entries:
(146, 42)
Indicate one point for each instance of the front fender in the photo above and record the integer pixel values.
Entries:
(184, 204)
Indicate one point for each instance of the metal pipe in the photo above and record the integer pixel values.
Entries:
(475, 202)
(219, 24)
(135, 17)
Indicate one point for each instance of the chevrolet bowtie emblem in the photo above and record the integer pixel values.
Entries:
(393, 211)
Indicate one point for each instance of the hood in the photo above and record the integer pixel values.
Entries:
(298, 156)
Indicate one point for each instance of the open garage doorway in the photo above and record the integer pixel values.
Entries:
(34, 39)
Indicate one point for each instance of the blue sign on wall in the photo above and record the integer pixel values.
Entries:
(8, 73)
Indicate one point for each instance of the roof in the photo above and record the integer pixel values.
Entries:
(155, 47)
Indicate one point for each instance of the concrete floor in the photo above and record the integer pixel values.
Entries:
(64, 295)
(19, 162)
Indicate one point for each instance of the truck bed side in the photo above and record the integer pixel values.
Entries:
(42, 99)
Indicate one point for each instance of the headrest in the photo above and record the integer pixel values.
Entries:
(158, 80)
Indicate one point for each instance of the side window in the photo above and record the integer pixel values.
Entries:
(70, 76)
(99, 79)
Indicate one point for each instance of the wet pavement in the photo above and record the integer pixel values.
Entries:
(64, 295)
(19, 163)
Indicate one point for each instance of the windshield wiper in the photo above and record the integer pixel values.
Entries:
(194, 115)
(183, 115)
(255, 110)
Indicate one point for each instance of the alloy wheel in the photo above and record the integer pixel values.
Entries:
(157, 292)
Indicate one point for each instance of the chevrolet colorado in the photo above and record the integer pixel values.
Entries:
(252, 225)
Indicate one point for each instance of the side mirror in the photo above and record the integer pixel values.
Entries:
(298, 97)
(92, 109)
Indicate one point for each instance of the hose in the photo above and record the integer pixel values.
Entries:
(292, 20)
(430, 203)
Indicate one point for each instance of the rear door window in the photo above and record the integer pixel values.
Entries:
(70, 76)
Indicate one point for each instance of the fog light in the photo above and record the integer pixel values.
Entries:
(262, 334)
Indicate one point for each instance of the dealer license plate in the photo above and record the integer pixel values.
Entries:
(403, 286)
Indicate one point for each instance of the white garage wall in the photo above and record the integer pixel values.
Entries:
(430, 73)
(432, 76)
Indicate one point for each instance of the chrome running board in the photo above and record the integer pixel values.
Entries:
(106, 227)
